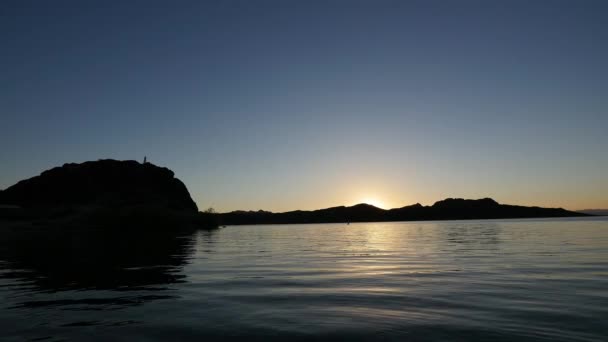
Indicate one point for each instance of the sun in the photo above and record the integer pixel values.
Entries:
(373, 201)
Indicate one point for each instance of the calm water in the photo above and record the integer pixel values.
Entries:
(499, 280)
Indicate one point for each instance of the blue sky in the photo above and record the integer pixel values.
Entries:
(282, 105)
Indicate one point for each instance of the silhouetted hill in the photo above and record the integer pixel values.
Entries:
(598, 212)
(104, 192)
(103, 182)
(448, 209)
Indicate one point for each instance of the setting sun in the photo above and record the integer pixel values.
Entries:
(373, 201)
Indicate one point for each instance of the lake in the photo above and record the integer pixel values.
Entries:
(489, 280)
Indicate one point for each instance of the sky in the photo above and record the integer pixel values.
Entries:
(284, 105)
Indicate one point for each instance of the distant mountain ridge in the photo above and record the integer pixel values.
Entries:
(599, 212)
(448, 209)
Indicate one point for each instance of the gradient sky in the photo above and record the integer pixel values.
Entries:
(283, 105)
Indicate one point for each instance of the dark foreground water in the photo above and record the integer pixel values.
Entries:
(497, 280)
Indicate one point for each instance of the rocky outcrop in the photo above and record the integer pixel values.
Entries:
(103, 183)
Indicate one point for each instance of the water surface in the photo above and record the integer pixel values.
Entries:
(499, 280)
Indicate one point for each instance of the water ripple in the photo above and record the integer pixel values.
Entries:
(499, 280)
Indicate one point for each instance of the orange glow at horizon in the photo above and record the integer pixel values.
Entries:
(373, 201)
